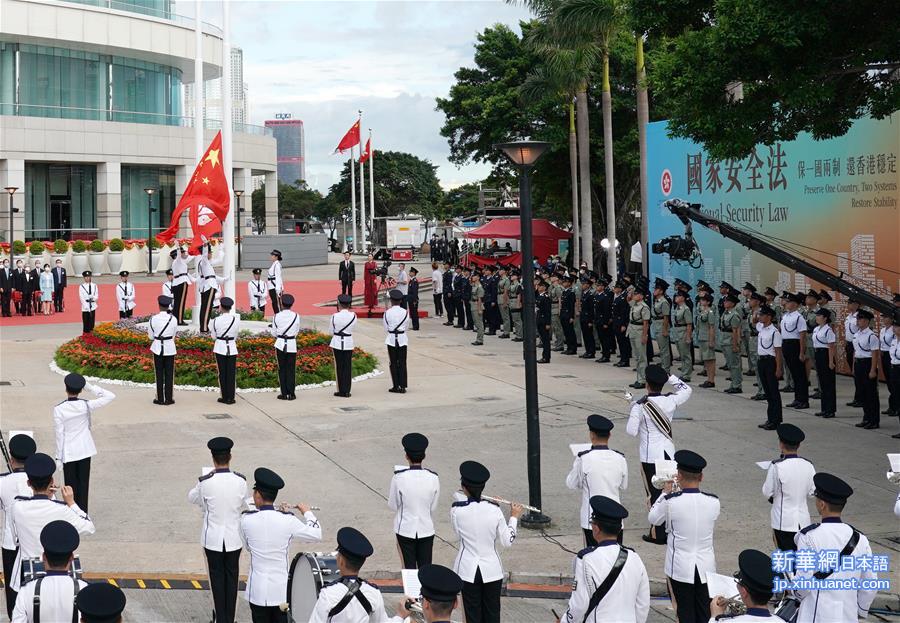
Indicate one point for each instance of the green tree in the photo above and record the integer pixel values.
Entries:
(803, 66)
(460, 201)
(258, 208)
(297, 201)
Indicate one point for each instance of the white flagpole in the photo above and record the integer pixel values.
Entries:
(227, 129)
(355, 244)
(199, 93)
(371, 184)
(362, 191)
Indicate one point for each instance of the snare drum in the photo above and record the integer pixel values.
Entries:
(788, 609)
(309, 572)
(33, 568)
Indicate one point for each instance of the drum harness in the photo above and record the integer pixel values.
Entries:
(37, 600)
(353, 590)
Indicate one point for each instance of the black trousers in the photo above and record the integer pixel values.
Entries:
(893, 374)
(227, 365)
(827, 386)
(414, 313)
(287, 372)
(5, 298)
(343, 370)
(87, 321)
(415, 552)
(569, 333)
(768, 384)
(128, 313)
(868, 390)
(267, 614)
(587, 337)
(648, 471)
(494, 320)
(784, 540)
(624, 346)
(848, 353)
(77, 475)
(397, 356)
(450, 306)
(481, 601)
(9, 560)
(691, 600)
(893, 398)
(790, 350)
(276, 302)
(460, 313)
(58, 298)
(470, 319)
(544, 334)
(164, 367)
(223, 582)
(206, 304)
(438, 304)
(179, 293)
(347, 287)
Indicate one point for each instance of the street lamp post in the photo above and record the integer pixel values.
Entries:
(150, 212)
(524, 154)
(12, 210)
(238, 223)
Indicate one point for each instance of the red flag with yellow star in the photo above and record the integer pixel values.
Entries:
(206, 197)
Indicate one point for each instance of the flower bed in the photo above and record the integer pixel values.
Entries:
(121, 351)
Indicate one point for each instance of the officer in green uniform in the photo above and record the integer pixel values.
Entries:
(706, 336)
(639, 332)
(514, 293)
(681, 334)
(755, 302)
(555, 293)
(579, 338)
(503, 302)
(748, 346)
(477, 302)
(662, 311)
(730, 341)
(702, 288)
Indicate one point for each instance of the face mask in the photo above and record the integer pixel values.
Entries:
(47, 270)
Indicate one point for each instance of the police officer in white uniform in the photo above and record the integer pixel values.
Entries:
(267, 534)
(350, 599)
(72, 420)
(180, 282)
(89, 295)
(162, 328)
(285, 327)
(168, 287)
(690, 517)
(866, 360)
(755, 582)
(413, 497)
(825, 606)
(52, 597)
(609, 581)
(125, 295)
(480, 525)
(440, 588)
(273, 278)
(599, 470)
(850, 329)
(396, 320)
(221, 494)
(650, 420)
(225, 328)
(789, 482)
(343, 322)
(101, 602)
(31, 514)
(256, 292)
(12, 485)
(209, 286)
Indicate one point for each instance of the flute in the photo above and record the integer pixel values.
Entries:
(286, 508)
(502, 501)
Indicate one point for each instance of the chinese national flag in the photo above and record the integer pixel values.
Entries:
(206, 198)
(366, 152)
(350, 139)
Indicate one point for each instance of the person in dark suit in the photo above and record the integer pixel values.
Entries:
(620, 321)
(449, 302)
(459, 282)
(412, 298)
(6, 286)
(59, 286)
(347, 274)
(603, 312)
(36, 288)
(542, 319)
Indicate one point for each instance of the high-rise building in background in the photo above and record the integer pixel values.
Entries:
(212, 94)
(291, 148)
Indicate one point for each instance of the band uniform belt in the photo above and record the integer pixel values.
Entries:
(209, 277)
(163, 339)
(178, 276)
(226, 339)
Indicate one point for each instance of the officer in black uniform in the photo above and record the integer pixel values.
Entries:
(603, 320)
(542, 311)
(412, 298)
(459, 284)
(567, 316)
(449, 302)
(467, 299)
(489, 283)
(620, 312)
(586, 319)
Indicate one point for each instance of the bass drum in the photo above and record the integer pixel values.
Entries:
(309, 572)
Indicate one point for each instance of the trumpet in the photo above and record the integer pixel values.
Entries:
(894, 478)
(416, 614)
(733, 606)
(490, 498)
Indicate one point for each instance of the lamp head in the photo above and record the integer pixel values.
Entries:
(523, 153)
(11, 189)
(238, 193)
(149, 191)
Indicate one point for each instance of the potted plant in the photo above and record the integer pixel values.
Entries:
(79, 257)
(60, 248)
(19, 250)
(114, 258)
(97, 258)
(36, 250)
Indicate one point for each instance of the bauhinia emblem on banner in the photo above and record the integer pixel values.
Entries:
(366, 151)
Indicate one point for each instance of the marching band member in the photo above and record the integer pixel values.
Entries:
(267, 534)
(209, 287)
(101, 603)
(866, 357)
(789, 481)
(162, 328)
(395, 322)
(285, 327)
(168, 287)
(220, 494)
(479, 525)
(599, 470)
(256, 292)
(342, 324)
(824, 606)
(181, 280)
(350, 599)
(125, 295)
(440, 587)
(225, 328)
(690, 517)
(755, 583)
(650, 420)
(414, 496)
(88, 294)
(609, 581)
(276, 285)
(13, 485)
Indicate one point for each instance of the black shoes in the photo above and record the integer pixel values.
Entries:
(622, 364)
(816, 395)
(853, 403)
(827, 416)
(768, 426)
(157, 402)
(477, 343)
(798, 405)
(570, 352)
(543, 361)
(503, 336)
(395, 390)
(603, 360)
(787, 389)
(707, 384)
(733, 390)
(758, 397)
(638, 385)
(517, 339)
(861, 424)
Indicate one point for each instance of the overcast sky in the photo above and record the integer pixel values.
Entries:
(322, 61)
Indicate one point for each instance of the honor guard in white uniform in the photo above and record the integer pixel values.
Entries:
(12, 485)
(396, 320)
(74, 442)
(343, 322)
(650, 420)
(440, 588)
(285, 327)
(256, 292)
(414, 496)
(101, 603)
(52, 597)
(824, 349)
(850, 329)
(209, 286)
(221, 494)
(767, 346)
(690, 517)
(181, 280)
(125, 295)
(267, 534)
(599, 470)
(825, 606)
(480, 524)
(755, 583)
(793, 349)
(31, 514)
(162, 328)
(350, 599)
(609, 581)
(88, 294)
(225, 328)
(789, 482)
(892, 372)
(866, 359)
(168, 288)
(276, 285)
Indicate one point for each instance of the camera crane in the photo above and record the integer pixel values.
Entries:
(685, 249)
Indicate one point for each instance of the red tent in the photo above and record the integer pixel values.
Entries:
(546, 236)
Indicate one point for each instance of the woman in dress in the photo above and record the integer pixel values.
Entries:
(370, 295)
(46, 290)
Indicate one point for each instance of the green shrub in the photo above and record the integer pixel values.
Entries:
(116, 244)
(79, 246)
(97, 246)
(19, 247)
(36, 248)
(60, 246)
(154, 243)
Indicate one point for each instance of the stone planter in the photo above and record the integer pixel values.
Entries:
(97, 262)
(134, 260)
(79, 263)
(17, 258)
(114, 259)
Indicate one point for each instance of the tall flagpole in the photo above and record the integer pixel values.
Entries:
(355, 244)
(362, 191)
(199, 94)
(227, 123)
(371, 184)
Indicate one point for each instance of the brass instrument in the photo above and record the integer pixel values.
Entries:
(416, 614)
(734, 606)
(894, 478)
(490, 498)
(660, 482)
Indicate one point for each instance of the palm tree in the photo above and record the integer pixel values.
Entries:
(643, 114)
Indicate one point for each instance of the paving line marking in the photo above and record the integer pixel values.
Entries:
(164, 583)
(141, 584)
(195, 584)
(113, 582)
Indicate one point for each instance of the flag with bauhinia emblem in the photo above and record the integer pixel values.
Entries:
(206, 198)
